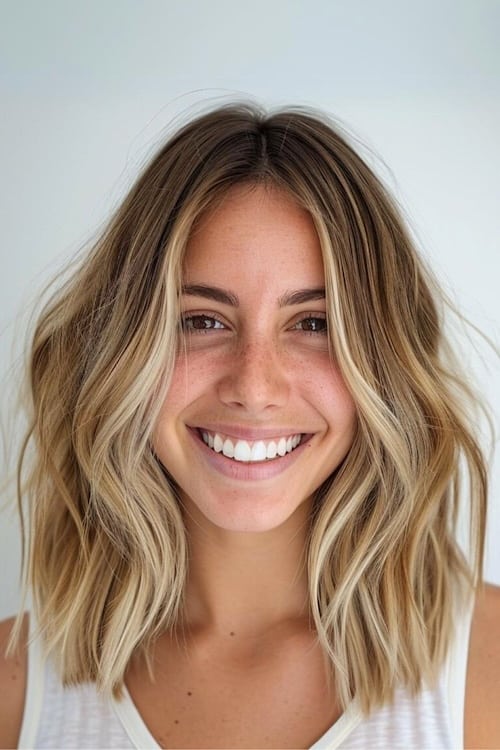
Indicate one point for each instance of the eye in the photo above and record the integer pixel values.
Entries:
(200, 323)
(311, 324)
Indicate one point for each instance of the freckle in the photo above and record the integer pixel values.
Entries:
(189, 692)
(176, 721)
(231, 633)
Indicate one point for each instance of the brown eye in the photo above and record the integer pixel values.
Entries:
(197, 323)
(312, 324)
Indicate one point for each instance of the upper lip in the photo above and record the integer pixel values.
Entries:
(240, 432)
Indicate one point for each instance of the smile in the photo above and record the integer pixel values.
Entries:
(251, 451)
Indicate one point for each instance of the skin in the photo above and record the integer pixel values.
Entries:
(259, 368)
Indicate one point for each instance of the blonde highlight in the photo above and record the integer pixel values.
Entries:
(107, 555)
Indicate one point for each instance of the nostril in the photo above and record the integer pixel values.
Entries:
(254, 383)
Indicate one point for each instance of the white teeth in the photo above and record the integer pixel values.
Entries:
(228, 448)
(242, 450)
(282, 446)
(272, 449)
(259, 451)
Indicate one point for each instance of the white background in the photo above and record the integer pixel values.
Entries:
(88, 90)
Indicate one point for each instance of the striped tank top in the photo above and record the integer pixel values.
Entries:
(80, 717)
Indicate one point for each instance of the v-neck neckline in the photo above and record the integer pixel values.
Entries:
(140, 736)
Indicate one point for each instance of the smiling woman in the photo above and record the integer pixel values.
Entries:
(248, 436)
(256, 379)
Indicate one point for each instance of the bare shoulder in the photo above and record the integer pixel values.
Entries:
(482, 704)
(13, 671)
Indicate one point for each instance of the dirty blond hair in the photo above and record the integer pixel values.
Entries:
(106, 549)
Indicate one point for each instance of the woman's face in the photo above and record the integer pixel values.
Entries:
(257, 415)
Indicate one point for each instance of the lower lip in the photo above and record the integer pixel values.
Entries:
(245, 471)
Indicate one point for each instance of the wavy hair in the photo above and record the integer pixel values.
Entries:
(106, 549)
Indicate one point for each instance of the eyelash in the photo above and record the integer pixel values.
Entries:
(186, 324)
(187, 319)
(322, 320)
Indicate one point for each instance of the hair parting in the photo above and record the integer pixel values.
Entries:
(106, 549)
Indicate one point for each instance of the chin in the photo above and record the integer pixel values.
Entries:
(247, 516)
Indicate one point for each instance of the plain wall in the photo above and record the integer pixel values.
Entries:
(88, 89)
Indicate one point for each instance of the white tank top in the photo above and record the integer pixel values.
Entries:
(80, 717)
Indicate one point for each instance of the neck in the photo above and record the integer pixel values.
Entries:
(246, 582)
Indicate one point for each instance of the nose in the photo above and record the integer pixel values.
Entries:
(255, 378)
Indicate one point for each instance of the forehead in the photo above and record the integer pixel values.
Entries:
(256, 233)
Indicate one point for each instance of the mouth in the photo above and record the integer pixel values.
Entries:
(251, 451)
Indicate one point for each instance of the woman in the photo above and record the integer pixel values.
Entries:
(247, 433)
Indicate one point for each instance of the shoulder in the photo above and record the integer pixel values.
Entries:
(482, 703)
(13, 671)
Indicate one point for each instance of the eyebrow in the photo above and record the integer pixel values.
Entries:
(297, 297)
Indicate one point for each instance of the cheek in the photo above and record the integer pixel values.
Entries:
(192, 377)
(327, 391)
